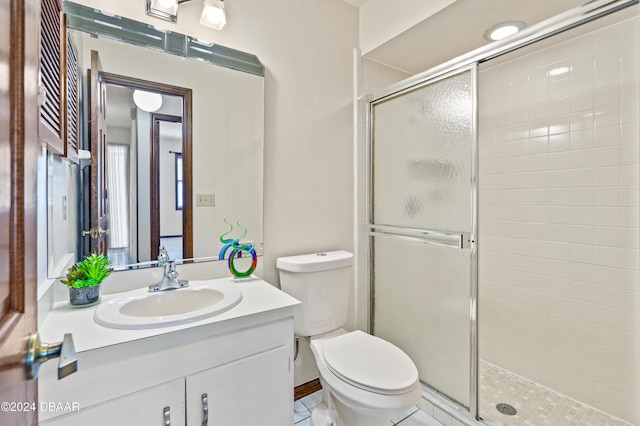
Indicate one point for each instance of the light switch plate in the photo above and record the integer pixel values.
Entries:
(205, 200)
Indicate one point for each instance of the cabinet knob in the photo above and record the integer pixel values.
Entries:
(205, 409)
(38, 352)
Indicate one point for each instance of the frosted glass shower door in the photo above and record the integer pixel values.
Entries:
(423, 226)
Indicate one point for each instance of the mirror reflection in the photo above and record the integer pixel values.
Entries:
(226, 153)
(144, 141)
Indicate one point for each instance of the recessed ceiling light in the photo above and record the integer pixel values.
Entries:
(503, 30)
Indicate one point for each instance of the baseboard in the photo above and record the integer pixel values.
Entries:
(306, 389)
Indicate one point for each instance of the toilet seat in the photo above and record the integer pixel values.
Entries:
(370, 363)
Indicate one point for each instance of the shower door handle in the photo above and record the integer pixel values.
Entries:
(461, 240)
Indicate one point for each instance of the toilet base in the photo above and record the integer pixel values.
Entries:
(320, 416)
(341, 415)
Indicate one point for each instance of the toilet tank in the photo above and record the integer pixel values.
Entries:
(321, 281)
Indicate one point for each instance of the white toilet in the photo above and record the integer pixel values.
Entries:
(365, 379)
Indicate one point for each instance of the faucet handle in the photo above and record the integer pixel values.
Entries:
(170, 270)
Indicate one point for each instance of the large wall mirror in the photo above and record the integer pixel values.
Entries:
(147, 183)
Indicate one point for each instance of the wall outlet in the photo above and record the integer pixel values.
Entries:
(205, 200)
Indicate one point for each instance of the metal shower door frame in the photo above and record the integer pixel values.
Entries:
(436, 237)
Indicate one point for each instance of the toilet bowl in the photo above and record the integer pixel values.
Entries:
(365, 379)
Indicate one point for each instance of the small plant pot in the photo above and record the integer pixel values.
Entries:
(85, 296)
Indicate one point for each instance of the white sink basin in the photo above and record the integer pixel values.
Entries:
(169, 307)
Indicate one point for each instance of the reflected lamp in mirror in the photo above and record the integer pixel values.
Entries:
(213, 15)
(147, 101)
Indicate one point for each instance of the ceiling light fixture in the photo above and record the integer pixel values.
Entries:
(503, 30)
(213, 14)
(147, 101)
(167, 3)
(163, 9)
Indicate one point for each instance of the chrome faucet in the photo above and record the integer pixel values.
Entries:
(170, 279)
(163, 256)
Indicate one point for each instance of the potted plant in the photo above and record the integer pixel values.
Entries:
(84, 279)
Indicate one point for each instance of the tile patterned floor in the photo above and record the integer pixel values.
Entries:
(414, 417)
(536, 404)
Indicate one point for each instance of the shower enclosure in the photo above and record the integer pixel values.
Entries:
(505, 226)
(423, 226)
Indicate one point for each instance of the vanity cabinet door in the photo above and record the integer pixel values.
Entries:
(142, 408)
(256, 390)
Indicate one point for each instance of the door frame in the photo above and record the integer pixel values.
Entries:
(187, 150)
(98, 199)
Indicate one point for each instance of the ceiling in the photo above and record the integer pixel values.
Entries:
(458, 29)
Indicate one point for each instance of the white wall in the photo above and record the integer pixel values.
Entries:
(119, 135)
(306, 47)
(382, 20)
(143, 170)
(559, 218)
(133, 192)
(62, 201)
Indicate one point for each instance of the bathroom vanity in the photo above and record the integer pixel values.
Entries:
(235, 368)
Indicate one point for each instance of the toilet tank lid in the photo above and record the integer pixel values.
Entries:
(316, 261)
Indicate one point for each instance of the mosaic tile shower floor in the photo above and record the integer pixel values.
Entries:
(536, 404)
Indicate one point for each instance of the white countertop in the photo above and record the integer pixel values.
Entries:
(260, 301)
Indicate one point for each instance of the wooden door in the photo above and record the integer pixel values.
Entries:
(99, 202)
(19, 59)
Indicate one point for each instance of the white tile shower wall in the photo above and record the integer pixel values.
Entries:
(559, 217)
(373, 77)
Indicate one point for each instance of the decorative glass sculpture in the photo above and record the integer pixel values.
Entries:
(237, 250)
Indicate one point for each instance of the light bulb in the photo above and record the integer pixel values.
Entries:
(215, 15)
(503, 30)
(167, 3)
